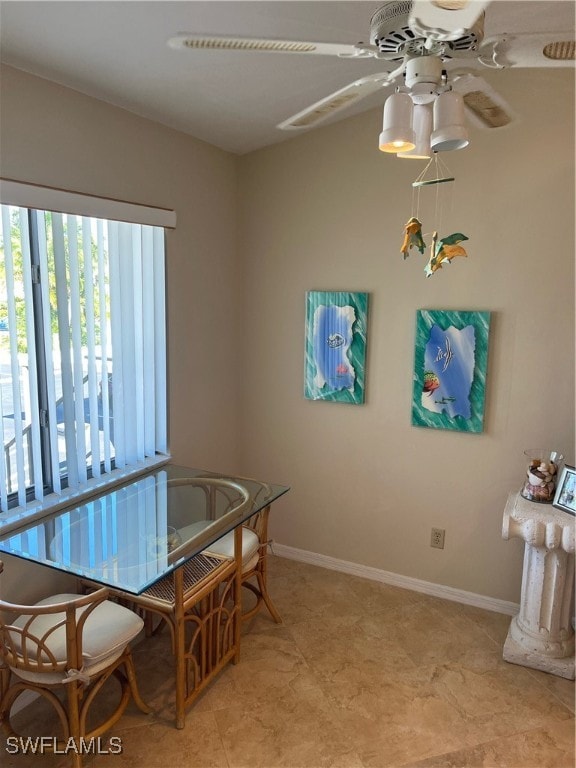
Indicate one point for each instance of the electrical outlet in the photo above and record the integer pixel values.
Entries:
(437, 538)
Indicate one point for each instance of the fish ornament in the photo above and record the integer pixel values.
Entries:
(412, 237)
(444, 249)
(431, 382)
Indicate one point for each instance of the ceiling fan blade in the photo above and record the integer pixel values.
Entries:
(541, 49)
(341, 99)
(444, 19)
(484, 106)
(192, 41)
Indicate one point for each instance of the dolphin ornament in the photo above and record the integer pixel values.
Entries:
(444, 249)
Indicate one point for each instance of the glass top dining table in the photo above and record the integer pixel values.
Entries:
(132, 535)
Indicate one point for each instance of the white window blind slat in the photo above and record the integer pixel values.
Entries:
(139, 340)
(48, 355)
(117, 342)
(161, 420)
(127, 277)
(64, 342)
(89, 314)
(4, 232)
(76, 350)
(19, 469)
(104, 350)
(149, 334)
(32, 406)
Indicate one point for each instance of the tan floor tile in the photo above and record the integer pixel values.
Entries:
(396, 723)
(30, 759)
(432, 636)
(339, 650)
(412, 715)
(154, 665)
(282, 566)
(551, 747)
(40, 720)
(198, 745)
(295, 731)
(300, 596)
(376, 596)
(495, 625)
(504, 700)
(275, 643)
(446, 608)
(564, 690)
(263, 683)
(270, 664)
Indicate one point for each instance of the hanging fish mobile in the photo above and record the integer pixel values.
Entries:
(443, 249)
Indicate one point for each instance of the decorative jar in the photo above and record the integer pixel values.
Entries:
(541, 474)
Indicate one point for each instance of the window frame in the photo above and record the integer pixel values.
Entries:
(37, 199)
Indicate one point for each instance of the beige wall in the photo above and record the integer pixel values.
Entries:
(55, 136)
(326, 211)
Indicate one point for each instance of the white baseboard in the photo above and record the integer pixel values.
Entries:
(397, 580)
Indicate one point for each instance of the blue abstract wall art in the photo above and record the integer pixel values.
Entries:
(336, 323)
(450, 361)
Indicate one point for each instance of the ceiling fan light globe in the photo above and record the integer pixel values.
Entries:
(450, 131)
(422, 125)
(397, 132)
(414, 155)
(449, 138)
(394, 146)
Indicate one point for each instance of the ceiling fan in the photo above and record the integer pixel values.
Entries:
(423, 45)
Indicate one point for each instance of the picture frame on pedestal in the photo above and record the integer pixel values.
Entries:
(565, 496)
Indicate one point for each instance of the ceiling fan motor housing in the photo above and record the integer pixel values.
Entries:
(423, 69)
(390, 32)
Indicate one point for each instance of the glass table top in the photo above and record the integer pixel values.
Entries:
(134, 534)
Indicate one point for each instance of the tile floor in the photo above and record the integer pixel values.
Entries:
(359, 675)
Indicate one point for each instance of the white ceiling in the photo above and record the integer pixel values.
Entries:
(117, 52)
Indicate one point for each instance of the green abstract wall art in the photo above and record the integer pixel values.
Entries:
(335, 362)
(450, 361)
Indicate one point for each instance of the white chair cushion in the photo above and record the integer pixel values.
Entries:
(225, 545)
(250, 546)
(107, 631)
(193, 529)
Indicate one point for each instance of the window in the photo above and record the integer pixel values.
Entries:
(82, 349)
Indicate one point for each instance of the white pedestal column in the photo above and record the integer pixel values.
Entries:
(542, 636)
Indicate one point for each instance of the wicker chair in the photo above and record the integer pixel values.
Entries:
(73, 643)
(254, 546)
(254, 562)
